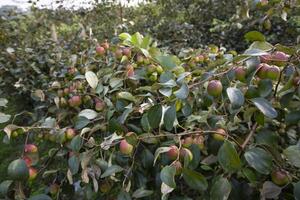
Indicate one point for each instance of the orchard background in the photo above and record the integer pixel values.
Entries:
(168, 99)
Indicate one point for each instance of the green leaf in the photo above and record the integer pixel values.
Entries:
(265, 87)
(220, 189)
(81, 122)
(137, 39)
(125, 36)
(154, 116)
(265, 107)
(270, 190)
(167, 62)
(254, 36)
(40, 197)
(293, 117)
(76, 143)
(4, 187)
(254, 52)
(167, 175)
(88, 113)
(4, 118)
(235, 96)
(228, 157)
(92, 79)
(73, 164)
(141, 192)
(195, 180)
(124, 196)
(169, 117)
(265, 46)
(183, 92)
(259, 159)
(3, 102)
(126, 95)
(297, 190)
(112, 170)
(18, 170)
(292, 154)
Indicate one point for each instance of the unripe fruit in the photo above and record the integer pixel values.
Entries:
(75, 101)
(187, 142)
(184, 152)
(30, 148)
(18, 170)
(70, 133)
(199, 58)
(14, 134)
(125, 147)
(262, 72)
(100, 50)
(153, 77)
(159, 69)
(273, 72)
(119, 53)
(151, 68)
(280, 177)
(54, 188)
(179, 70)
(127, 52)
(178, 167)
(220, 134)
(240, 73)
(140, 59)
(32, 173)
(105, 186)
(214, 88)
(173, 152)
(99, 106)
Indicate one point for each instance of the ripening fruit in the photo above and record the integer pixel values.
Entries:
(18, 170)
(173, 152)
(280, 56)
(199, 59)
(70, 133)
(127, 52)
(262, 72)
(27, 161)
(32, 173)
(54, 188)
(66, 91)
(119, 53)
(265, 58)
(75, 101)
(187, 142)
(273, 72)
(280, 177)
(240, 73)
(151, 68)
(63, 102)
(99, 106)
(100, 50)
(214, 88)
(125, 147)
(184, 152)
(139, 59)
(219, 134)
(30, 148)
(178, 167)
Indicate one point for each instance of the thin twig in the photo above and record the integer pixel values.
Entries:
(249, 136)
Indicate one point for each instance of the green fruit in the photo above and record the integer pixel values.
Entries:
(240, 73)
(280, 177)
(70, 133)
(153, 77)
(140, 59)
(18, 170)
(273, 72)
(159, 69)
(179, 70)
(214, 88)
(184, 152)
(54, 188)
(151, 68)
(220, 134)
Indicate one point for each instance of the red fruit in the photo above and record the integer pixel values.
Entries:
(127, 52)
(100, 50)
(99, 106)
(187, 142)
(214, 88)
(280, 56)
(184, 152)
(240, 73)
(265, 58)
(220, 134)
(32, 173)
(75, 101)
(173, 152)
(280, 177)
(27, 161)
(70, 133)
(30, 148)
(273, 72)
(125, 147)
(262, 72)
(119, 53)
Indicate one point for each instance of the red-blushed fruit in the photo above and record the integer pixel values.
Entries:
(214, 88)
(184, 152)
(173, 152)
(129, 71)
(187, 142)
(296, 81)
(273, 72)
(54, 188)
(27, 161)
(220, 134)
(105, 45)
(74, 101)
(125, 147)
(199, 141)
(265, 58)
(240, 73)
(66, 91)
(100, 50)
(118, 53)
(32, 173)
(280, 56)
(280, 177)
(30, 148)
(140, 59)
(127, 52)
(262, 72)
(70, 133)
(99, 106)
(199, 59)
(178, 166)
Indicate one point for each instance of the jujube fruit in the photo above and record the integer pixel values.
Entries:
(214, 88)
(273, 72)
(125, 147)
(219, 134)
(280, 177)
(240, 73)
(173, 152)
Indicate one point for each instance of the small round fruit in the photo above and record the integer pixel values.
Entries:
(273, 72)
(187, 142)
(75, 101)
(18, 170)
(119, 53)
(280, 56)
(265, 58)
(127, 52)
(30, 148)
(151, 68)
(32, 173)
(159, 69)
(139, 59)
(173, 152)
(184, 152)
(125, 147)
(262, 72)
(219, 134)
(99, 106)
(179, 70)
(100, 50)
(240, 73)
(280, 177)
(214, 88)
(70, 133)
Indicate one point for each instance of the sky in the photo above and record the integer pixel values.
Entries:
(51, 3)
